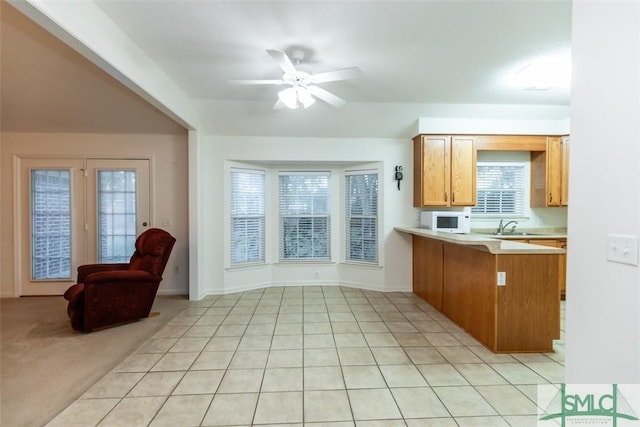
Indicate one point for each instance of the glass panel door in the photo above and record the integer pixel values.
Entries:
(116, 215)
(73, 212)
(50, 225)
(118, 201)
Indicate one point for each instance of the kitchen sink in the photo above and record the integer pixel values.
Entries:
(517, 233)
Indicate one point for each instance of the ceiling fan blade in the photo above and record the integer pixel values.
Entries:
(256, 82)
(326, 96)
(332, 76)
(283, 60)
(279, 105)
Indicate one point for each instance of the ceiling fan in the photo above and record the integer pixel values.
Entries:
(303, 88)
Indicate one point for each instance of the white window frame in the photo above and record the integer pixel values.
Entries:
(260, 216)
(348, 215)
(327, 216)
(521, 192)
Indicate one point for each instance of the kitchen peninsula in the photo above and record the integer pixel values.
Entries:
(505, 294)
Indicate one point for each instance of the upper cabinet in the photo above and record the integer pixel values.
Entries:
(550, 174)
(444, 170)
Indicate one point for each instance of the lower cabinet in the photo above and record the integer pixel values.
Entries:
(461, 282)
(562, 270)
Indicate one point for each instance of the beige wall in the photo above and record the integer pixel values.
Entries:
(168, 154)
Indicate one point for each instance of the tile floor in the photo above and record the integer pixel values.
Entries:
(316, 356)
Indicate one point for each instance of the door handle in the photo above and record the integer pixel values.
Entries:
(144, 224)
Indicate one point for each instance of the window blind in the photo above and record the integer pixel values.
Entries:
(247, 216)
(361, 216)
(500, 189)
(304, 227)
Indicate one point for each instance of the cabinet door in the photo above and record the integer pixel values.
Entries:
(463, 171)
(433, 175)
(564, 197)
(554, 171)
(563, 269)
(427, 270)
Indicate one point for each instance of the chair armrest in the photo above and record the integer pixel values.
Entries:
(85, 270)
(119, 276)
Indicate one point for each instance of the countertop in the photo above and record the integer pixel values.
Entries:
(491, 244)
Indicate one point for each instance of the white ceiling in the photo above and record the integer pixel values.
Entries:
(415, 55)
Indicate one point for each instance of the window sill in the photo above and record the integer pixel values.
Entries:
(248, 266)
(362, 265)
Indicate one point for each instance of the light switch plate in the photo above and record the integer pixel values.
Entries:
(502, 278)
(622, 248)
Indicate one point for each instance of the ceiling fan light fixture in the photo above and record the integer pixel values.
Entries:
(293, 97)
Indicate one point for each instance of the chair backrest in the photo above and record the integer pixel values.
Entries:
(153, 248)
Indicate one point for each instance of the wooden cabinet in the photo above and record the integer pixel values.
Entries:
(444, 170)
(562, 261)
(550, 173)
(460, 282)
(427, 270)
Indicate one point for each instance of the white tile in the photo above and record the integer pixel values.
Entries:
(319, 341)
(464, 401)
(493, 421)
(199, 382)
(157, 384)
(208, 360)
(479, 374)
(222, 344)
(281, 407)
(390, 356)
(285, 359)
(323, 378)
(321, 357)
(241, 381)
(185, 345)
(182, 411)
(419, 402)
(507, 400)
(424, 355)
(326, 406)
(383, 339)
(458, 354)
(175, 362)
(517, 373)
(432, 422)
(363, 377)
(442, 375)
(231, 409)
(282, 379)
(133, 411)
(356, 356)
(373, 404)
(285, 342)
(402, 376)
(249, 359)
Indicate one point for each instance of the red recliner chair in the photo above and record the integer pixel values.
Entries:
(109, 294)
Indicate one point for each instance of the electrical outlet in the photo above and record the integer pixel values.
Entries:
(502, 278)
(176, 269)
(622, 248)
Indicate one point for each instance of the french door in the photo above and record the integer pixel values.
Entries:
(74, 212)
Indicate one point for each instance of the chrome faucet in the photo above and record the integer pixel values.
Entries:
(502, 226)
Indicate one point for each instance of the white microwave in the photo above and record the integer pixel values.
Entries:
(446, 221)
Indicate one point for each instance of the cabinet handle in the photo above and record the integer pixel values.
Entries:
(453, 197)
(550, 197)
(445, 196)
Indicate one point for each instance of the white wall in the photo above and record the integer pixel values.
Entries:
(397, 209)
(169, 198)
(603, 303)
